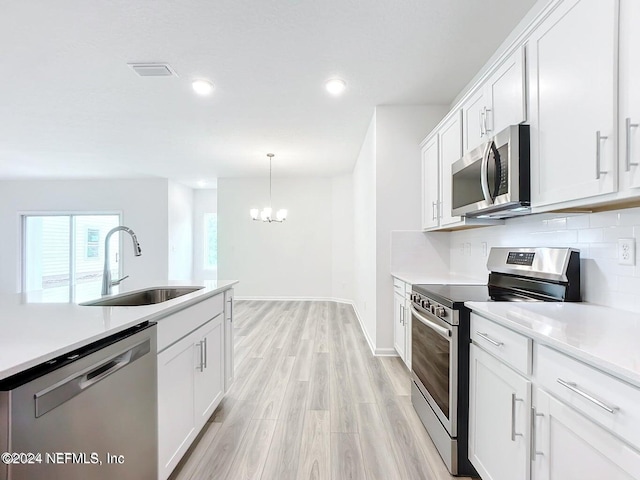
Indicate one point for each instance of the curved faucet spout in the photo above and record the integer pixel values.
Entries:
(107, 283)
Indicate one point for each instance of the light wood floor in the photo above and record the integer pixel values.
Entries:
(310, 401)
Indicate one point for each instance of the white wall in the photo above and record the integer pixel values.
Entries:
(180, 231)
(603, 280)
(364, 236)
(420, 253)
(204, 201)
(143, 204)
(288, 260)
(342, 246)
(399, 131)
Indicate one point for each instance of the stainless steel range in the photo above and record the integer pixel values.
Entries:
(440, 336)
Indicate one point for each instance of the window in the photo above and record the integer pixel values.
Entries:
(210, 241)
(64, 251)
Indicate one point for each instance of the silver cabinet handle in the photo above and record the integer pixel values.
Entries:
(628, 127)
(489, 339)
(484, 119)
(206, 353)
(482, 132)
(201, 345)
(231, 314)
(402, 314)
(574, 388)
(534, 451)
(513, 417)
(599, 139)
(433, 210)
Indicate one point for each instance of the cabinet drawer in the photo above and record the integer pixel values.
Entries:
(399, 286)
(179, 324)
(608, 401)
(510, 347)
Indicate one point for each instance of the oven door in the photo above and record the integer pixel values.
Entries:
(434, 363)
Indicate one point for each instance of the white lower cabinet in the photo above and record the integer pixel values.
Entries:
(229, 366)
(191, 373)
(568, 445)
(209, 378)
(399, 328)
(499, 418)
(402, 320)
(176, 405)
(565, 421)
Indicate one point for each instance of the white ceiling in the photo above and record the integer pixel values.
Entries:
(71, 107)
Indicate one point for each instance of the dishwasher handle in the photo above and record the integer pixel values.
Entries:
(55, 395)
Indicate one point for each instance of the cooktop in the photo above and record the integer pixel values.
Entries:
(454, 295)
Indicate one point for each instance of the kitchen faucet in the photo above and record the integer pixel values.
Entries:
(107, 283)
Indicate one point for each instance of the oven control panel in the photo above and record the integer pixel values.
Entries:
(428, 305)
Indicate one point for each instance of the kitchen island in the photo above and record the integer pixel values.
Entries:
(193, 354)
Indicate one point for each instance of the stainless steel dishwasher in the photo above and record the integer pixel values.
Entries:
(91, 413)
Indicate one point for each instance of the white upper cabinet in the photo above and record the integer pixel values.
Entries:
(430, 186)
(498, 103)
(629, 94)
(507, 87)
(474, 112)
(450, 151)
(572, 88)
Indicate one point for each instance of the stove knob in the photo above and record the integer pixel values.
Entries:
(424, 303)
(441, 312)
(433, 308)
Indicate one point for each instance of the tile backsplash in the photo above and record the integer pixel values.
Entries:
(604, 281)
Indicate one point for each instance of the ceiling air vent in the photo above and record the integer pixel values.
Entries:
(153, 69)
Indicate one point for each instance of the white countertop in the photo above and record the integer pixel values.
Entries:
(33, 332)
(604, 337)
(447, 279)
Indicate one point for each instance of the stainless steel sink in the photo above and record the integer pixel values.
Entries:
(149, 296)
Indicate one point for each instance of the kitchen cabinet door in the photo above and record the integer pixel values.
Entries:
(407, 326)
(209, 366)
(399, 328)
(629, 120)
(176, 414)
(430, 184)
(506, 91)
(474, 117)
(450, 152)
(499, 418)
(570, 446)
(572, 88)
(229, 365)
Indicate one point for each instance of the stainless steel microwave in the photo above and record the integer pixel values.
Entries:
(493, 180)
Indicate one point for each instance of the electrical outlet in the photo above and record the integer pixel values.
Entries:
(626, 251)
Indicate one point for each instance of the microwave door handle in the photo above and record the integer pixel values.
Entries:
(498, 177)
(484, 173)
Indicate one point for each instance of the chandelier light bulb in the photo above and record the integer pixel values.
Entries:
(255, 213)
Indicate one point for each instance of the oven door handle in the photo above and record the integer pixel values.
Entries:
(443, 332)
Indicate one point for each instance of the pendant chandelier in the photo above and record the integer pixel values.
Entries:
(265, 214)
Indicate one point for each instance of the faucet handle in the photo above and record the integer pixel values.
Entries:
(117, 282)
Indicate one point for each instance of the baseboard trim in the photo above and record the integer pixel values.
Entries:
(295, 299)
(364, 330)
(378, 352)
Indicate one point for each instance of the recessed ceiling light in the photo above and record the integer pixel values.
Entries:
(202, 87)
(335, 86)
(201, 183)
